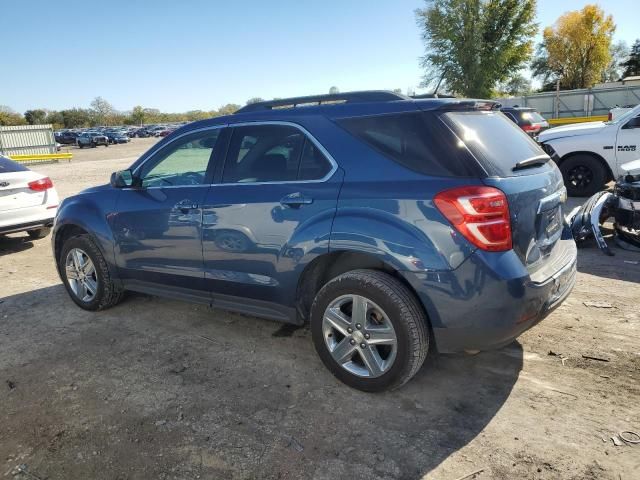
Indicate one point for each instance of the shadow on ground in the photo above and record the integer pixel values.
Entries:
(14, 244)
(160, 389)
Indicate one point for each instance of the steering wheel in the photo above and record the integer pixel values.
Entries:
(193, 178)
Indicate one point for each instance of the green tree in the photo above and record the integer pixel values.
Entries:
(618, 53)
(515, 86)
(632, 64)
(228, 109)
(76, 118)
(334, 91)
(472, 45)
(576, 49)
(10, 117)
(35, 117)
(138, 115)
(102, 110)
(254, 100)
(54, 118)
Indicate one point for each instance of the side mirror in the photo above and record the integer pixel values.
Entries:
(122, 179)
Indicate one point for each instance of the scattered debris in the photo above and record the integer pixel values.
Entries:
(599, 359)
(632, 262)
(471, 475)
(626, 437)
(295, 444)
(208, 339)
(598, 304)
(11, 384)
(159, 423)
(22, 468)
(616, 441)
(562, 358)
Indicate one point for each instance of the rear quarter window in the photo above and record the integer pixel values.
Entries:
(418, 141)
(8, 166)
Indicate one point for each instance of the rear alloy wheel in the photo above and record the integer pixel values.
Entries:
(583, 175)
(39, 233)
(86, 276)
(369, 330)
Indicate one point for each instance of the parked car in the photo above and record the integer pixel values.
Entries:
(28, 201)
(66, 137)
(165, 132)
(116, 136)
(364, 217)
(590, 154)
(92, 139)
(527, 118)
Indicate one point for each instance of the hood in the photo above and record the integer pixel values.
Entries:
(572, 130)
(97, 188)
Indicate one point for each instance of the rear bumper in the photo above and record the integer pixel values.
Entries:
(491, 299)
(23, 227)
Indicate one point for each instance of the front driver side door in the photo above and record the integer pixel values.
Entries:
(157, 224)
(628, 141)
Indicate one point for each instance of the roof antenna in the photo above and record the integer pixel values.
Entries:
(435, 92)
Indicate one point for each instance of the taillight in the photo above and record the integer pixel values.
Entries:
(610, 116)
(480, 214)
(531, 128)
(41, 185)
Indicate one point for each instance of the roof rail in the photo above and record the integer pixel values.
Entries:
(347, 97)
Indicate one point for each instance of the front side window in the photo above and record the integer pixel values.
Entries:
(182, 162)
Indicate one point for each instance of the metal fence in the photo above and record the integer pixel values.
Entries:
(585, 102)
(27, 140)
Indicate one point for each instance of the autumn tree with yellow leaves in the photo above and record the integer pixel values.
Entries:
(576, 49)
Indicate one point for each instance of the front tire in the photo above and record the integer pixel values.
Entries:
(583, 175)
(369, 330)
(86, 276)
(39, 233)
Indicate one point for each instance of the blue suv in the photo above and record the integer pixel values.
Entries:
(392, 225)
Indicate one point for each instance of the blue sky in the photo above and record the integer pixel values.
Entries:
(196, 54)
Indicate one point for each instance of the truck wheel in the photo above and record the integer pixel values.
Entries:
(583, 175)
(369, 330)
(79, 145)
(86, 276)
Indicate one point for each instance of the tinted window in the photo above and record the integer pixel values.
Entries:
(182, 162)
(495, 141)
(313, 164)
(418, 141)
(263, 153)
(7, 166)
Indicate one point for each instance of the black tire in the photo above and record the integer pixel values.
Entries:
(80, 145)
(94, 145)
(404, 313)
(39, 233)
(108, 292)
(583, 175)
(106, 144)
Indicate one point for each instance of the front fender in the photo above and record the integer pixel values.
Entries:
(89, 212)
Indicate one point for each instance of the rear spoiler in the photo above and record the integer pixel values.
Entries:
(470, 105)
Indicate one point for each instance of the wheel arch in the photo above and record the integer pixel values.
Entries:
(326, 267)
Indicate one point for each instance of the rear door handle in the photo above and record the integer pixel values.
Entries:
(185, 205)
(295, 200)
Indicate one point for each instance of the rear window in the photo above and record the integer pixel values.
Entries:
(496, 142)
(533, 117)
(8, 166)
(418, 141)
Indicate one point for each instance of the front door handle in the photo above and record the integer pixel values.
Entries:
(295, 200)
(185, 205)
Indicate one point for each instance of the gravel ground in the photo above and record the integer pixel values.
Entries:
(155, 388)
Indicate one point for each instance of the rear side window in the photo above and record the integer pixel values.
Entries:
(496, 142)
(8, 166)
(272, 153)
(418, 141)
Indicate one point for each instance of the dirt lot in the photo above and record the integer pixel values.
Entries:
(155, 388)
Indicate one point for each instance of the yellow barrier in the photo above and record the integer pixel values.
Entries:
(568, 120)
(41, 157)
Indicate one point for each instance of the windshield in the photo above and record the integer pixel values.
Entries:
(625, 116)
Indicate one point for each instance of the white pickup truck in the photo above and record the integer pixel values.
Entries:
(590, 154)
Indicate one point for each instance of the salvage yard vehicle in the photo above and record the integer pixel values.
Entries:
(392, 225)
(92, 139)
(28, 200)
(527, 118)
(590, 154)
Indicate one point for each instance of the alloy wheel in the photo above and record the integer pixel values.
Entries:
(81, 275)
(359, 336)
